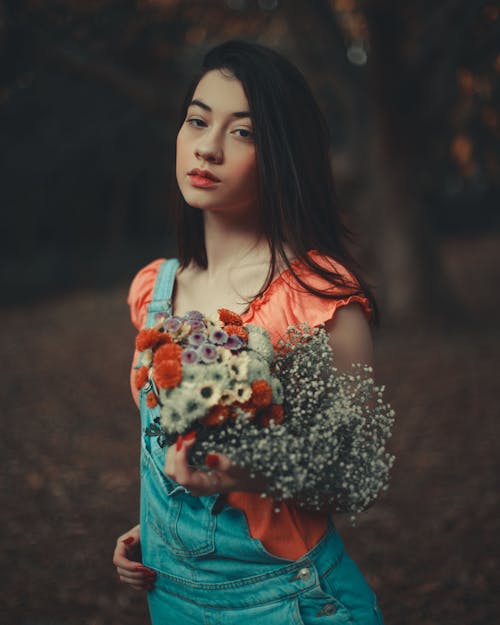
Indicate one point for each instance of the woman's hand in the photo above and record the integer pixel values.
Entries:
(221, 476)
(127, 559)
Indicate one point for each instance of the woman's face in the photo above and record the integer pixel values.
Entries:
(217, 137)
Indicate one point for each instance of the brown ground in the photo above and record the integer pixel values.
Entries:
(428, 547)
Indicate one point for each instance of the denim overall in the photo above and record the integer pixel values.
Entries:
(210, 571)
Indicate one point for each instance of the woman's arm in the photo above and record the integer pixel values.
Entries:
(350, 337)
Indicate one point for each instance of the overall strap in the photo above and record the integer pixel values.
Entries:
(162, 293)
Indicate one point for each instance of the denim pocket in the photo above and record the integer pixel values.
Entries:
(347, 584)
(183, 524)
(283, 612)
(317, 606)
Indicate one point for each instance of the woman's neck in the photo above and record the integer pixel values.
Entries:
(232, 243)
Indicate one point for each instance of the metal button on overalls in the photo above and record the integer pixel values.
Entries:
(304, 574)
(328, 608)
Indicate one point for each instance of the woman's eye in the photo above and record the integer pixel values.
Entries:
(194, 121)
(246, 134)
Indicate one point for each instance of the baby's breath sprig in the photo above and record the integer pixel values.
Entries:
(330, 451)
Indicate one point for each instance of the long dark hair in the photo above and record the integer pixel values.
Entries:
(296, 189)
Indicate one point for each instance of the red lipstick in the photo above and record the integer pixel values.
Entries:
(202, 178)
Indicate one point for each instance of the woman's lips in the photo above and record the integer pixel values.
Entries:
(201, 181)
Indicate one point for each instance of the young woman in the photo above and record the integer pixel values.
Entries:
(258, 233)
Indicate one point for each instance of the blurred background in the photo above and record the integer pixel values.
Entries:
(89, 104)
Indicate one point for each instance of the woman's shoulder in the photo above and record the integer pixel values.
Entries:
(288, 302)
(345, 278)
(141, 291)
(345, 290)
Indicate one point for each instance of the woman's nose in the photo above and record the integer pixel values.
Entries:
(209, 151)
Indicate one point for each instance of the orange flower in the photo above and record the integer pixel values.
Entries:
(168, 373)
(262, 394)
(228, 316)
(238, 330)
(151, 400)
(169, 351)
(216, 416)
(141, 377)
(149, 339)
(273, 412)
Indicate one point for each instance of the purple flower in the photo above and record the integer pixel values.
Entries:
(196, 338)
(234, 343)
(172, 324)
(189, 356)
(208, 352)
(194, 315)
(160, 316)
(218, 337)
(196, 324)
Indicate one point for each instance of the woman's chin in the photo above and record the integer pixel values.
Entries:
(196, 200)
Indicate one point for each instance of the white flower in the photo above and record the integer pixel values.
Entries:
(217, 373)
(227, 397)
(223, 355)
(258, 369)
(180, 409)
(183, 332)
(207, 392)
(171, 418)
(259, 341)
(146, 358)
(172, 415)
(242, 391)
(237, 366)
(193, 374)
(213, 321)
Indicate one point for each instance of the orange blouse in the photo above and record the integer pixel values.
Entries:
(292, 531)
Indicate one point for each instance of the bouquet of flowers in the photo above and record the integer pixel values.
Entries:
(203, 372)
(318, 435)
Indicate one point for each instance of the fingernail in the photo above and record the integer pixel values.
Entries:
(128, 540)
(178, 444)
(212, 461)
(144, 569)
(189, 436)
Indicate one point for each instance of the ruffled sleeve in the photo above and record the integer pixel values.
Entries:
(141, 292)
(139, 296)
(286, 303)
(306, 306)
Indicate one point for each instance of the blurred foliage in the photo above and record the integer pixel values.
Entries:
(89, 97)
